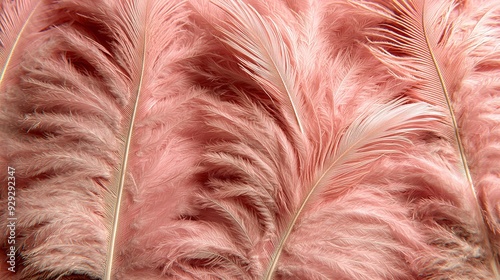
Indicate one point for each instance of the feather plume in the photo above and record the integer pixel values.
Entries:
(72, 130)
(417, 44)
(59, 114)
(262, 213)
(478, 106)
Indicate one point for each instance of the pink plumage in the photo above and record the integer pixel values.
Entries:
(250, 139)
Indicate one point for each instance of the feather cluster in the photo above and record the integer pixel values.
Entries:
(250, 139)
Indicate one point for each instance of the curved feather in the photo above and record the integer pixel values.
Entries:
(370, 136)
(138, 48)
(479, 28)
(264, 52)
(417, 45)
(423, 23)
(258, 200)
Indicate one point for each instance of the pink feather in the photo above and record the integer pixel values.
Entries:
(424, 45)
(250, 139)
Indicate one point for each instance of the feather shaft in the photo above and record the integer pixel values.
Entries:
(456, 132)
(123, 173)
(136, 31)
(450, 110)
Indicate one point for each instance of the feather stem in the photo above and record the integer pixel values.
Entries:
(277, 253)
(456, 131)
(123, 171)
(450, 109)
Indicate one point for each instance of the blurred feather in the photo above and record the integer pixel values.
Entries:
(20, 21)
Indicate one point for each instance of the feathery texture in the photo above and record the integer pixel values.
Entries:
(251, 139)
(316, 168)
(419, 48)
